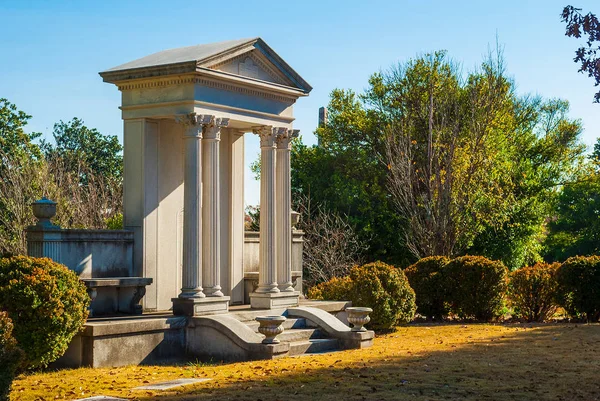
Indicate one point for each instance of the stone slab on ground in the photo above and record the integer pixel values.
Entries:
(171, 384)
(101, 398)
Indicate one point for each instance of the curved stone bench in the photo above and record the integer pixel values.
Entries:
(116, 295)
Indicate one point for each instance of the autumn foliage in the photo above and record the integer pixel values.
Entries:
(47, 304)
(10, 355)
(533, 291)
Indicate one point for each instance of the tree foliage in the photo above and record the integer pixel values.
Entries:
(431, 160)
(345, 175)
(82, 172)
(575, 228)
(588, 56)
(81, 148)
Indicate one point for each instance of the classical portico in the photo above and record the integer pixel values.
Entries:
(185, 114)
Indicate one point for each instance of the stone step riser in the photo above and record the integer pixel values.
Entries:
(313, 346)
(299, 335)
(289, 324)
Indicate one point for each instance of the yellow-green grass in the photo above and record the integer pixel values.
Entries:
(422, 362)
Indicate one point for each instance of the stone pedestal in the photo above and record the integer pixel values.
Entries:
(270, 300)
(200, 306)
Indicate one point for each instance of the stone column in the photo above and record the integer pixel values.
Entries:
(284, 210)
(268, 294)
(211, 216)
(192, 192)
(192, 301)
(267, 276)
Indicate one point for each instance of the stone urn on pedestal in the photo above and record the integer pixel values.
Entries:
(358, 317)
(44, 210)
(270, 327)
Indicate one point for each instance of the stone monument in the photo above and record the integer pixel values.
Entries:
(185, 114)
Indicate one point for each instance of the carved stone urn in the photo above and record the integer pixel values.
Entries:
(271, 327)
(44, 209)
(358, 317)
(295, 219)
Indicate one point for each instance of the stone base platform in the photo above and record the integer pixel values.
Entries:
(200, 306)
(160, 338)
(270, 300)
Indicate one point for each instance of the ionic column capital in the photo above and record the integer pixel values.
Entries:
(284, 138)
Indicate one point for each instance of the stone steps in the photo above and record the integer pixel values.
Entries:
(300, 335)
(313, 346)
(289, 324)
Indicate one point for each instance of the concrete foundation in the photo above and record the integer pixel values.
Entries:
(162, 338)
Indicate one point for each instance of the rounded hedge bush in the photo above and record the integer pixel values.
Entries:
(47, 304)
(426, 279)
(375, 285)
(533, 291)
(385, 289)
(336, 289)
(579, 287)
(10, 356)
(477, 287)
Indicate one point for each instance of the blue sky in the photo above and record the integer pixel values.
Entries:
(51, 51)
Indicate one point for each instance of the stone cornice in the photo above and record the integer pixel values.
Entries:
(259, 89)
(198, 103)
(268, 59)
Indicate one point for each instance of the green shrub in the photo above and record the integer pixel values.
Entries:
(477, 287)
(385, 289)
(533, 291)
(10, 355)
(115, 222)
(336, 289)
(47, 303)
(579, 287)
(375, 285)
(426, 278)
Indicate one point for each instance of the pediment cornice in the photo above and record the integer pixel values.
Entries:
(266, 68)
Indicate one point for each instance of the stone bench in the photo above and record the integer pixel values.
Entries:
(116, 295)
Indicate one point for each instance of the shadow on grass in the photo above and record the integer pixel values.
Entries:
(516, 362)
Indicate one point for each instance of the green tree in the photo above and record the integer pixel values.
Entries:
(445, 138)
(545, 154)
(14, 141)
(575, 229)
(20, 181)
(345, 173)
(81, 149)
(431, 161)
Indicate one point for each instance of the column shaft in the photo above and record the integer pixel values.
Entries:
(192, 225)
(211, 240)
(283, 212)
(267, 277)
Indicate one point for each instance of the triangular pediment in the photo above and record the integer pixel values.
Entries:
(254, 65)
(247, 58)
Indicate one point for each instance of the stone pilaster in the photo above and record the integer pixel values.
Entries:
(283, 215)
(211, 217)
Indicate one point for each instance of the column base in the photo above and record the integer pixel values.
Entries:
(200, 306)
(270, 300)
